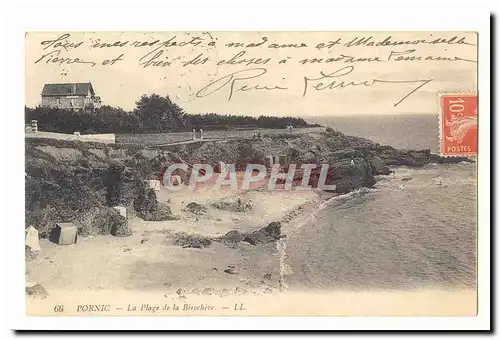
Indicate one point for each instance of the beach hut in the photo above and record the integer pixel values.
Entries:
(175, 180)
(269, 161)
(31, 239)
(121, 210)
(154, 184)
(64, 234)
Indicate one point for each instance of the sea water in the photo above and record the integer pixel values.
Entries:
(403, 234)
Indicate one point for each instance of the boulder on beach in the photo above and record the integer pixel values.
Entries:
(273, 229)
(163, 213)
(196, 208)
(233, 236)
(257, 237)
(270, 233)
(208, 291)
(36, 290)
(186, 240)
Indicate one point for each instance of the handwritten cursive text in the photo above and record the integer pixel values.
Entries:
(235, 82)
(334, 80)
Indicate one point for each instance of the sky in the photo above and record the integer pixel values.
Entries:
(258, 73)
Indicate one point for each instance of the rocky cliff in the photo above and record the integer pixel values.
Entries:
(71, 181)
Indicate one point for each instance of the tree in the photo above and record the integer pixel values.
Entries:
(117, 120)
(160, 114)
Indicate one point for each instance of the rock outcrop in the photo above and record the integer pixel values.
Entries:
(37, 291)
(270, 233)
(72, 181)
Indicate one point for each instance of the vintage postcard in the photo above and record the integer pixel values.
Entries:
(251, 173)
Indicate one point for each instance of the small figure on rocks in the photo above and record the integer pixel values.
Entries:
(249, 205)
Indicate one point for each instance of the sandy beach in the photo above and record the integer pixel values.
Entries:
(148, 260)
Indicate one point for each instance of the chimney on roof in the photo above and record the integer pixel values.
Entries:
(74, 88)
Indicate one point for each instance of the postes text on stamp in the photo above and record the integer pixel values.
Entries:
(458, 124)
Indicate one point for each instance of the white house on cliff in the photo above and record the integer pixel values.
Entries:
(76, 96)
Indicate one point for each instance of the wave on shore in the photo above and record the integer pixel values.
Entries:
(329, 203)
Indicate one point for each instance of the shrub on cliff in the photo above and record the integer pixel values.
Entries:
(148, 208)
(247, 154)
(120, 227)
(145, 203)
(57, 192)
(102, 221)
(109, 221)
(122, 184)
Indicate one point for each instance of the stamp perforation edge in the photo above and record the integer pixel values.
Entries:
(440, 117)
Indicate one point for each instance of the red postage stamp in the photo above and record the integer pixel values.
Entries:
(458, 124)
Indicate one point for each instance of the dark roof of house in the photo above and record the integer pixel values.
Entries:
(68, 89)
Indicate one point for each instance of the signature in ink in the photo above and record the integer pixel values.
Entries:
(334, 80)
(238, 82)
